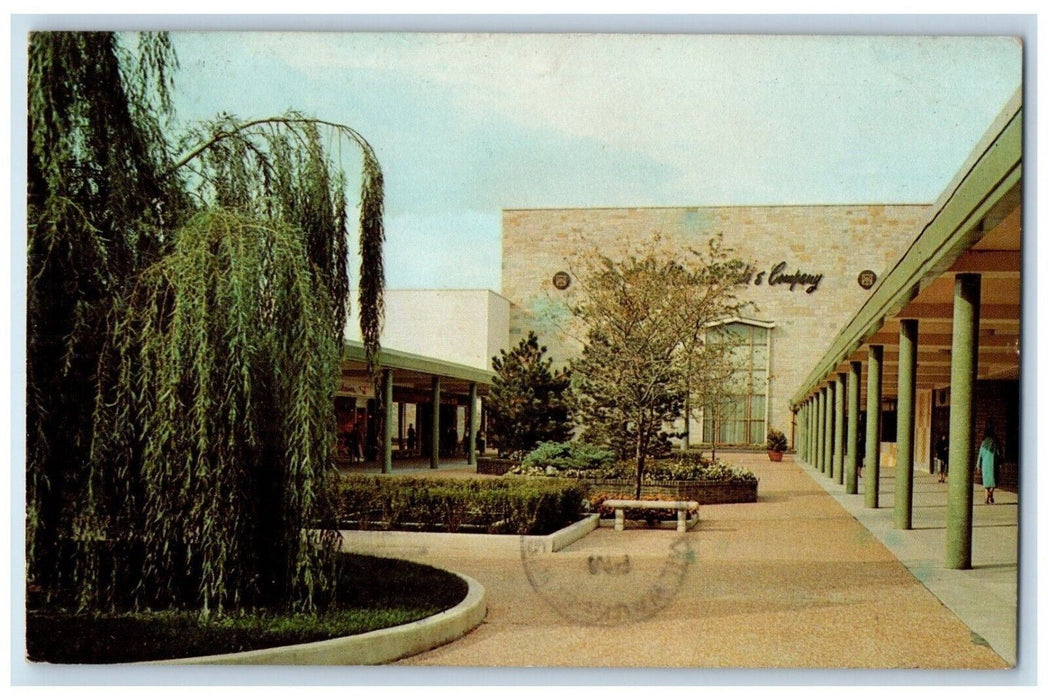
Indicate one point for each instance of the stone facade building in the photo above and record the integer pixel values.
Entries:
(807, 262)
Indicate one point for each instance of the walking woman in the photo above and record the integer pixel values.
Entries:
(989, 453)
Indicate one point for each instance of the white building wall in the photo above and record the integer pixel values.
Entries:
(466, 326)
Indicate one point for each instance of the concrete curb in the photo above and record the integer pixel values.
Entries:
(405, 545)
(378, 647)
(572, 533)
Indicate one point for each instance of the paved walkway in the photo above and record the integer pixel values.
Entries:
(986, 596)
(793, 581)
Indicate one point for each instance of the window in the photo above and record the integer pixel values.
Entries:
(738, 413)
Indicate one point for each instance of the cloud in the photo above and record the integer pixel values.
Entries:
(466, 125)
(741, 105)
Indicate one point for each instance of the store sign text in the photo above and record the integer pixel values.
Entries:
(780, 275)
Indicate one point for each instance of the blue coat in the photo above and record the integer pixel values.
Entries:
(988, 454)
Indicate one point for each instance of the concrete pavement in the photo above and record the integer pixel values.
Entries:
(984, 597)
(792, 581)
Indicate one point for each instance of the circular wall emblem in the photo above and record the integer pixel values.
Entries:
(562, 280)
(867, 278)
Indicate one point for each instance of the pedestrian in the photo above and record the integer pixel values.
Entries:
(942, 455)
(353, 442)
(411, 438)
(360, 441)
(989, 453)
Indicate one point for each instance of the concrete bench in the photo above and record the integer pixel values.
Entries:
(682, 508)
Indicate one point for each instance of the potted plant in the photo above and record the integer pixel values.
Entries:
(776, 445)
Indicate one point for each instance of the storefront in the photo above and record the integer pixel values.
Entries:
(400, 421)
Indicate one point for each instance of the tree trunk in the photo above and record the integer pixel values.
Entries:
(640, 461)
(713, 440)
(686, 438)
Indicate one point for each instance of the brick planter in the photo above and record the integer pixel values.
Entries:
(705, 492)
(494, 465)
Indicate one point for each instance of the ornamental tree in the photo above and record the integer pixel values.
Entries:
(642, 313)
(186, 304)
(528, 402)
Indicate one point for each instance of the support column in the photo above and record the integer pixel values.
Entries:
(471, 427)
(963, 367)
(838, 429)
(873, 426)
(808, 430)
(851, 462)
(387, 427)
(903, 515)
(802, 443)
(813, 410)
(827, 448)
(434, 448)
(824, 434)
(820, 419)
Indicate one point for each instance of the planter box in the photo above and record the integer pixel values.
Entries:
(494, 465)
(704, 492)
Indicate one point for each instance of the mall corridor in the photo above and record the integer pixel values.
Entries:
(792, 581)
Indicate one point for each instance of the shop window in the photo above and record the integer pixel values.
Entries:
(739, 414)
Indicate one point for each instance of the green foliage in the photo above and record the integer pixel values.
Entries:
(643, 314)
(528, 403)
(561, 456)
(97, 208)
(675, 469)
(279, 168)
(141, 295)
(506, 505)
(214, 434)
(678, 467)
(776, 441)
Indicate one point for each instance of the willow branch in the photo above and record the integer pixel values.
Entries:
(288, 121)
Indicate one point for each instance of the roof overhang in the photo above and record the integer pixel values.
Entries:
(975, 226)
(413, 370)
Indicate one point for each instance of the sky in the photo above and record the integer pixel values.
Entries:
(466, 125)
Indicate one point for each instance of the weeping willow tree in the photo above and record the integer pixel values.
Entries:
(223, 359)
(179, 384)
(99, 208)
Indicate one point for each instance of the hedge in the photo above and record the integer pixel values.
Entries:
(496, 506)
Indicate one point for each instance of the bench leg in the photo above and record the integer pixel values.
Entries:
(620, 520)
(682, 520)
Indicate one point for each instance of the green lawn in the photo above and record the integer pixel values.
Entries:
(373, 593)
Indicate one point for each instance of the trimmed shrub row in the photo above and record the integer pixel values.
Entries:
(502, 506)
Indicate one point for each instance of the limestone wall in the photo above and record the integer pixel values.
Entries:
(837, 242)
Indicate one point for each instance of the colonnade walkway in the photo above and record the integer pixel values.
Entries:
(984, 597)
(792, 581)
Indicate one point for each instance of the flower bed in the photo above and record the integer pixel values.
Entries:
(495, 466)
(685, 477)
(494, 506)
(704, 492)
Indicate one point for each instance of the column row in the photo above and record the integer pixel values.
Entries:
(833, 450)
